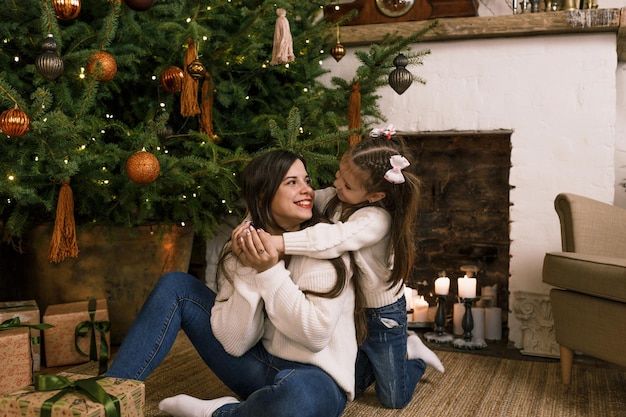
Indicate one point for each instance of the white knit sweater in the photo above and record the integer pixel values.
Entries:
(303, 328)
(366, 233)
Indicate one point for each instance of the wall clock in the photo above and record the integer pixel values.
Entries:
(394, 8)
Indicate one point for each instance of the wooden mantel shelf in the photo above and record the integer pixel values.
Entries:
(527, 24)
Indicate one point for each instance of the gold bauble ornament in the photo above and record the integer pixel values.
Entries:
(172, 79)
(338, 51)
(108, 66)
(66, 9)
(14, 122)
(143, 167)
(196, 69)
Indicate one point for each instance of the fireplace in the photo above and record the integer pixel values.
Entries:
(464, 210)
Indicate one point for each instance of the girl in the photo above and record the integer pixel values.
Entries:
(280, 332)
(374, 206)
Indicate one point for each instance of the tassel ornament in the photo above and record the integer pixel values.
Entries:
(282, 52)
(189, 93)
(354, 113)
(206, 107)
(64, 243)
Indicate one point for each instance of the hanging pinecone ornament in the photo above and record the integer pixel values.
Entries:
(172, 79)
(48, 63)
(400, 78)
(139, 5)
(103, 65)
(14, 122)
(143, 167)
(66, 9)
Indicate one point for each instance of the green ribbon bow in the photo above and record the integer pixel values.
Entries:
(89, 387)
(15, 323)
(101, 327)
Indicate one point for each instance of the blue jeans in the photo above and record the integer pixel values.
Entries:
(382, 357)
(270, 386)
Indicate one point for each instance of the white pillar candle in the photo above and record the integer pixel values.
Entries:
(493, 325)
(489, 294)
(467, 287)
(457, 318)
(478, 315)
(420, 309)
(442, 286)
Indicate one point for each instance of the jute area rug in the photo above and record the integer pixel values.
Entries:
(472, 386)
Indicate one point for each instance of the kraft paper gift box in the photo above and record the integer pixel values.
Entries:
(76, 401)
(16, 363)
(28, 312)
(77, 336)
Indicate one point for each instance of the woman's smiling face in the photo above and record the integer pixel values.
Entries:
(293, 202)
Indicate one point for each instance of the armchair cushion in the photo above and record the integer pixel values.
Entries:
(599, 276)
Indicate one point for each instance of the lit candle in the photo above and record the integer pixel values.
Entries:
(420, 309)
(467, 287)
(442, 286)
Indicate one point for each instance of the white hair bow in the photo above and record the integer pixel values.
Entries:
(398, 163)
(388, 132)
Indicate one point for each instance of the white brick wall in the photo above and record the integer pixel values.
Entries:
(558, 95)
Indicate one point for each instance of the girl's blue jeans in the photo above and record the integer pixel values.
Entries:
(269, 385)
(382, 357)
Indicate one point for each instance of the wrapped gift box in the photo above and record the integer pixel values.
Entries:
(28, 312)
(16, 363)
(27, 402)
(61, 340)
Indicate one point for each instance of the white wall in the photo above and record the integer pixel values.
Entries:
(557, 94)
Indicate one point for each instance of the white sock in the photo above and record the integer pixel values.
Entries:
(186, 406)
(416, 349)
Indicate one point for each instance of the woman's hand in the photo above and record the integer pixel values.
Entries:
(254, 248)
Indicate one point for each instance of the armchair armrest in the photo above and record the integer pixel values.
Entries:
(590, 226)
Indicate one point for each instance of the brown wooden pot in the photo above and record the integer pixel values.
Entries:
(119, 264)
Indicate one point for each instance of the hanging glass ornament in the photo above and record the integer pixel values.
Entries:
(172, 79)
(400, 78)
(338, 51)
(139, 5)
(196, 69)
(14, 122)
(66, 9)
(48, 63)
(108, 66)
(143, 167)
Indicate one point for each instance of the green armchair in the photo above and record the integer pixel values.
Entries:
(589, 276)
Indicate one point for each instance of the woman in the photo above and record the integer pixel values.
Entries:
(280, 332)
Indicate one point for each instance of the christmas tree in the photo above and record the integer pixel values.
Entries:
(86, 84)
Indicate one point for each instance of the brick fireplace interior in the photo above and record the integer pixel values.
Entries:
(464, 213)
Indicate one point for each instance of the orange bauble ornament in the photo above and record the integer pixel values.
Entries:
(107, 68)
(172, 79)
(66, 9)
(14, 122)
(143, 167)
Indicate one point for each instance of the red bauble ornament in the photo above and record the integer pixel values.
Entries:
(172, 79)
(143, 167)
(139, 5)
(108, 66)
(14, 122)
(66, 9)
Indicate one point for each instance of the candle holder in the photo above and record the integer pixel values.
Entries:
(440, 335)
(468, 342)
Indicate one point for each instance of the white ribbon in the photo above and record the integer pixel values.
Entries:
(398, 163)
(388, 132)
